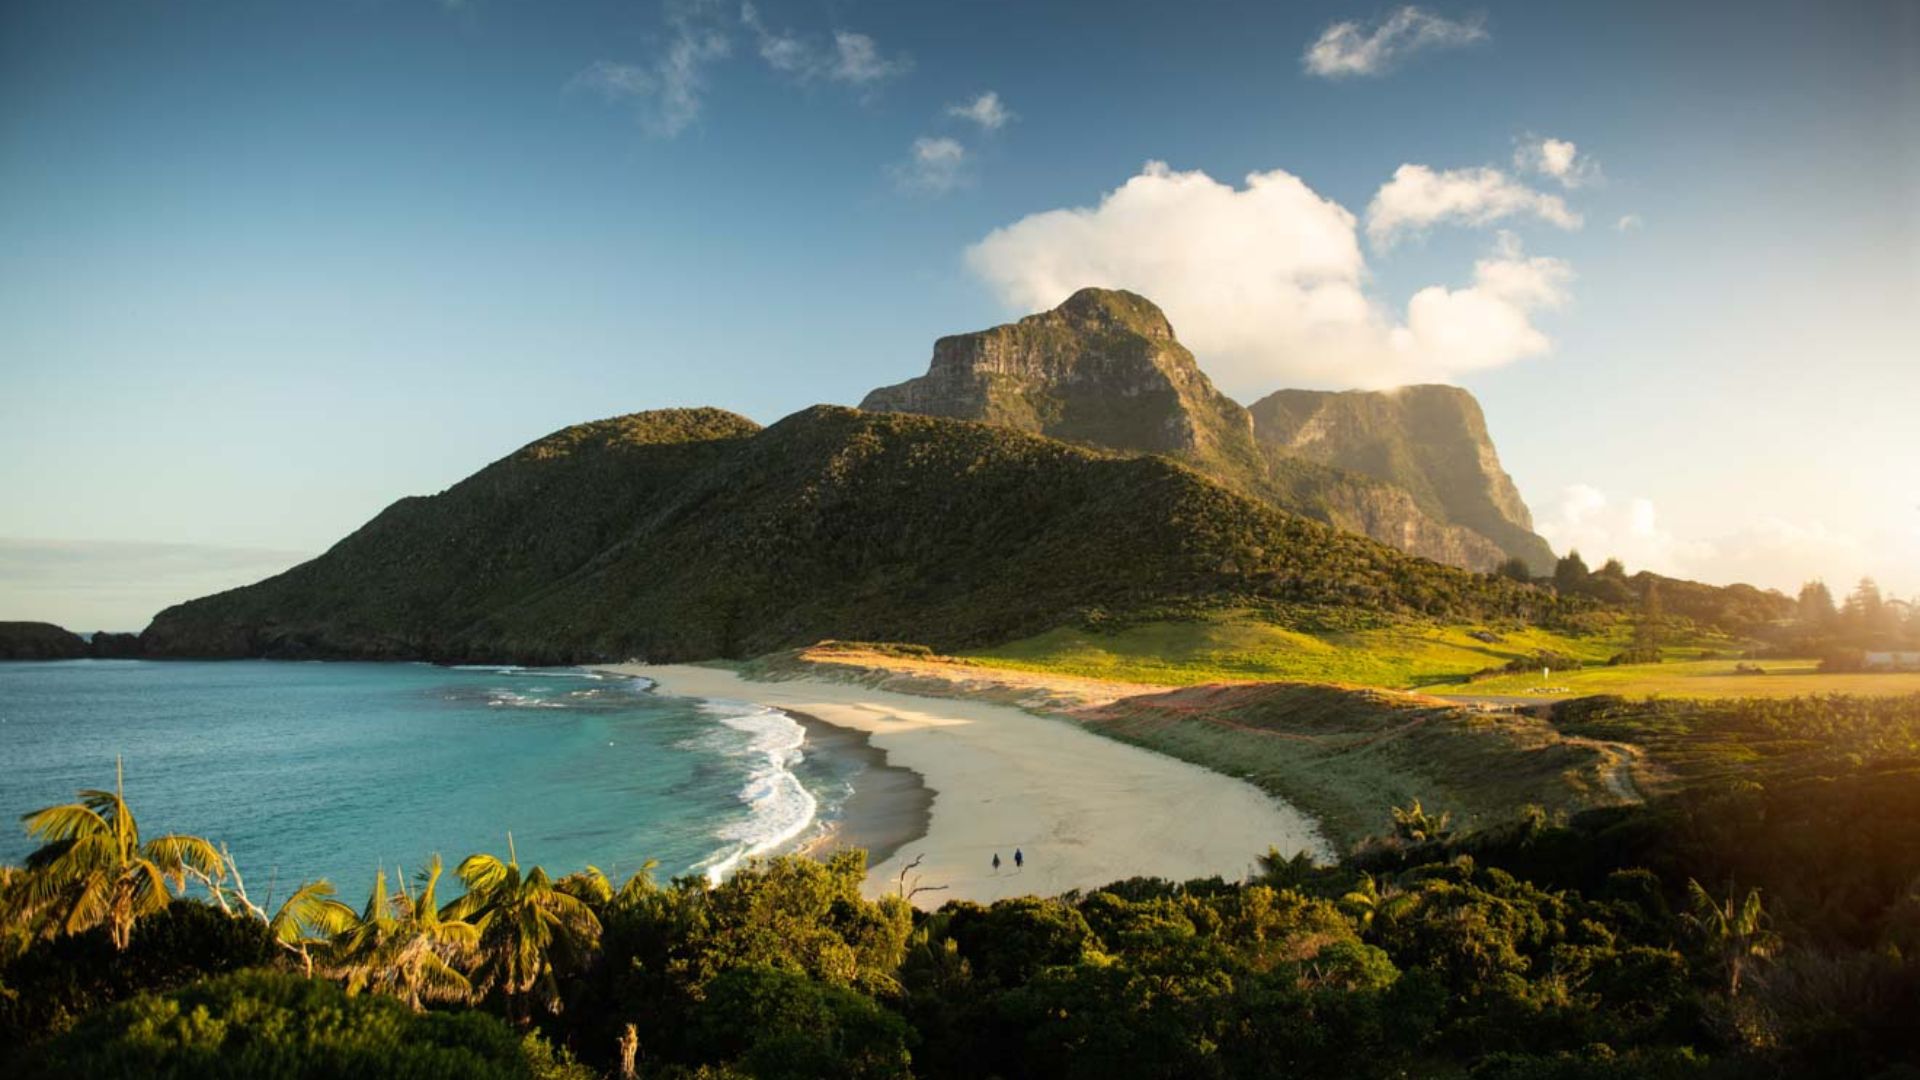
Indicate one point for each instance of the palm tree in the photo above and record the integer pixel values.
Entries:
(1414, 825)
(1736, 933)
(524, 921)
(311, 916)
(92, 867)
(402, 945)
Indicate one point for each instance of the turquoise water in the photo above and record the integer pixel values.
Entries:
(329, 770)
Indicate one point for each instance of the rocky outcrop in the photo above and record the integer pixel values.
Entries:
(1429, 441)
(1105, 369)
(39, 641)
(106, 645)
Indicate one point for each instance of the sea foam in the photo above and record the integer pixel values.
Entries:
(780, 807)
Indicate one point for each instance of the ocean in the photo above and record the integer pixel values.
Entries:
(331, 770)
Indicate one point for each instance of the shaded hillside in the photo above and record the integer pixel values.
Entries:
(39, 641)
(686, 534)
(1105, 369)
(1430, 441)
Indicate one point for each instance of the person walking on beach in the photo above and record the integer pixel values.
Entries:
(1019, 860)
(996, 862)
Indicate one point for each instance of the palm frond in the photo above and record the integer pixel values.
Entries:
(64, 823)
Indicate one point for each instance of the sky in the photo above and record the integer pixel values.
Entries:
(266, 267)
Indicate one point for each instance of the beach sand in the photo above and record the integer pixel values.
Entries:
(1085, 810)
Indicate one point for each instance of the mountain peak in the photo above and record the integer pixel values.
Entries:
(1116, 308)
(1102, 368)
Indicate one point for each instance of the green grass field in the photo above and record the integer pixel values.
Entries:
(1237, 648)
(1437, 659)
(1695, 679)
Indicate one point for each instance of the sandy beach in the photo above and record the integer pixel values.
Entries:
(1085, 810)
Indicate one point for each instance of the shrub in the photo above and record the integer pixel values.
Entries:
(265, 1023)
(1638, 655)
(55, 982)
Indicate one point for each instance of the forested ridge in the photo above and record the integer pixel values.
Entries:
(690, 534)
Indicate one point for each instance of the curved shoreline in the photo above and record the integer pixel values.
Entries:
(891, 805)
(1085, 810)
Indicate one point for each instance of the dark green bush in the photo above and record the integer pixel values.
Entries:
(256, 1024)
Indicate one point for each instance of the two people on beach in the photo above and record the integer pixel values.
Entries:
(1019, 860)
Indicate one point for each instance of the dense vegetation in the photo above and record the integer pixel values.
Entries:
(687, 535)
(1761, 918)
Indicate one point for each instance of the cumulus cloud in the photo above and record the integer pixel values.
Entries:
(1266, 283)
(667, 92)
(1628, 223)
(1418, 197)
(1349, 48)
(934, 165)
(985, 110)
(1559, 159)
(1587, 520)
(851, 58)
(1770, 551)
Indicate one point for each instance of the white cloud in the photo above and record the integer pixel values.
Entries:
(1588, 521)
(1266, 283)
(934, 165)
(1559, 159)
(1771, 552)
(851, 58)
(1348, 48)
(1628, 223)
(667, 92)
(1417, 197)
(985, 110)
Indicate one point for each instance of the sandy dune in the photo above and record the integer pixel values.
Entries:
(1086, 810)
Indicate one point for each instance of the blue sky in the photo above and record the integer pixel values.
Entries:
(266, 267)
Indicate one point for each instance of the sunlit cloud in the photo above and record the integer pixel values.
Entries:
(1558, 159)
(1418, 198)
(1771, 551)
(1628, 223)
(1349, 48)
(1267, 283)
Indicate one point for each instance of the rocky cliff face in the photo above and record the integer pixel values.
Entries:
(1429, 441)
(1105, 369)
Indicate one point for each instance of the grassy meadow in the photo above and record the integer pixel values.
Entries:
(1698, 679)
(1239, 647)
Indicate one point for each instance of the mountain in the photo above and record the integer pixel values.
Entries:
(690, 534)
(39, 641)
(1429, 441)
(1105, 369)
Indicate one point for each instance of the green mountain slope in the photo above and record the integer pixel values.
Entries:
(689, 534)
